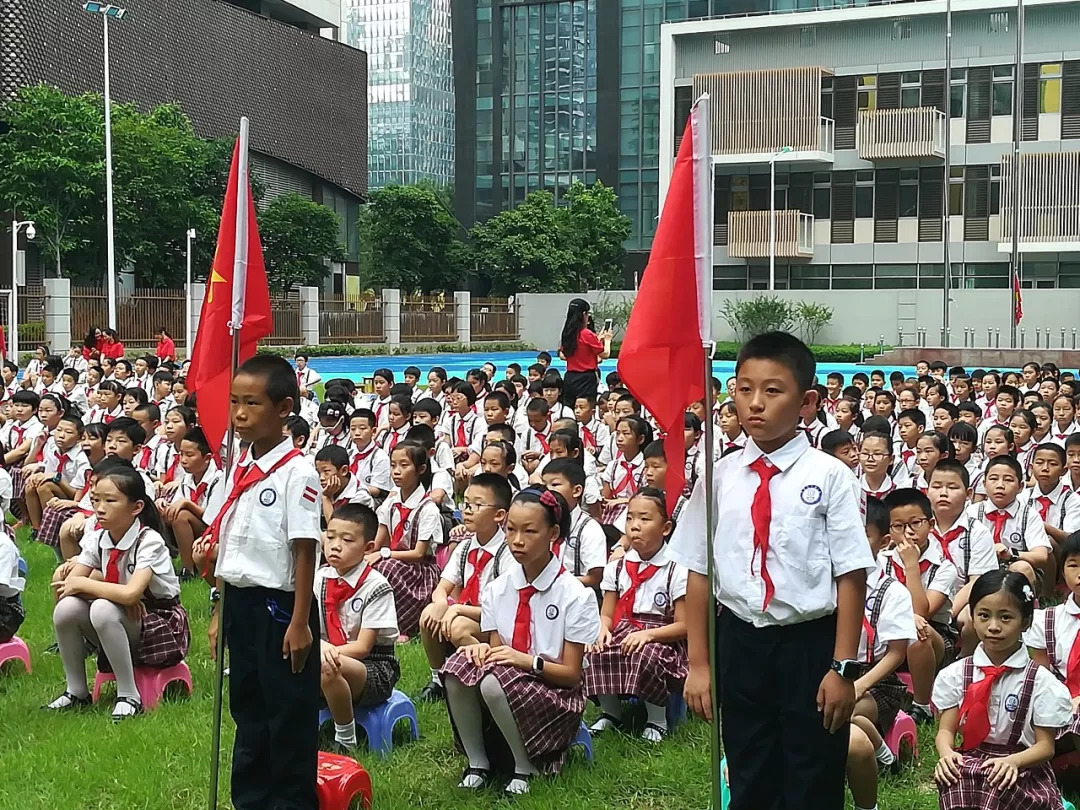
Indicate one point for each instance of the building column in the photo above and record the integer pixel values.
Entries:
(391, 307)
(309, 316)
(198, 293)
(58, 314)
(463, 316)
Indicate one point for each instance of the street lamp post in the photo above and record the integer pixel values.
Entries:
(13, 301)
(772, 214)
(106, 11)
(187, 296)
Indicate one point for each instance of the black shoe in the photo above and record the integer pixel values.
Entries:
(480, 773)
(432, 693)
(920, 715)
(67, 702)
(336, 747)
(121, 717)
(52, 649)
(187, 575)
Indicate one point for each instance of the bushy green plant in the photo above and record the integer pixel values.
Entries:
(812, 318)
(617, 309)
(379, 350)
(749, 317)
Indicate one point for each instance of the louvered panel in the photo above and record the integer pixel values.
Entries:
(1070, 100)
(843, 213)
(930, 230)
(888, 91)
(720, 233)
(933, 89)
(843, 233)
(977, 229)
(884, 230)
(978, 105)
(684, 100)
(845, 110)
(1030, 108)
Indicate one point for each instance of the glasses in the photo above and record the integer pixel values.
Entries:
(914, 525)
(469, 508)
(872, 456)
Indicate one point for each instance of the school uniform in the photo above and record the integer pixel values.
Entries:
(989, 408)
(199, 492)
(887, 616)
(1058, 436)
(381, 408)
(309, 411)
(968, 545)
(624, 478)
(1055, 630)
(147, 457)
(101, 414)
(728, 445)
(324, 438)
(887, 485)
(646, 591)
(444, 457)
(585, 546)
(167, 463)
(814, 431)
(392, 437)
(829, 404)
(536, 618)
(530, 440)
(308, 378)
(1025, 455)
(361, 599)
(905, 466)
(72, 467)
(776, 633)
(371, 466)
(417, 519)
(354, 491)
(1059, 508)
(12, 584)
(560, 411)
(936, 574)
(594, 435)
(473, 566)
(31, 430)
(1024, 696)
(77, 397)
(77, 363)
(1017, 526)
(9, 390)
(270, 503)
(464, 429)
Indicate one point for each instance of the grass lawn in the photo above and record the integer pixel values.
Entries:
(161, 760)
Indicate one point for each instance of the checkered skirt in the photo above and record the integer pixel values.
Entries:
(412, 584)
(651, 673)
(891, 696)
(11, 617)
(1036, 789)
(383, 673)
(51, 521)
(164, 639)
(1072, 728)
(18, 483)
(547, 717)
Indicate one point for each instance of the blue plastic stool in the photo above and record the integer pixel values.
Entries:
(725, 791)
(676, 708)
(584, 739)
(379, 721)
(1066, 804)
(23, 568)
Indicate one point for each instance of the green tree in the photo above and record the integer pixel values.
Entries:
(594, 229)
(53, 157)
(299, 237)
(412, 237)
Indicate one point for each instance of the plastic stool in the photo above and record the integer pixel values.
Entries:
(339, 781)
(1066, 804)
(903, 728)
(725, 791)
(584, 739)
(905, 678)
(379, 721)
(150, 681)
(15, 649)
(442, 555)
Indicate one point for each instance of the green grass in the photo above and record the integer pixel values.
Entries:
(161, 760)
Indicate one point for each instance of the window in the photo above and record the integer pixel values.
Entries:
(868, 92)
(999, 22)
(809, 277)
(986, 276)
(1070, 275)
(853, 277)
(958, 93)
(1050, 88)
(909, 192)
(1042, 275)
(995, 188)
(827, 96)
(931, 276)
(1003, 90)
(956, 191)
(729, 277)
(895, 276)
(822, 195)
(911, 89)
(864, 194)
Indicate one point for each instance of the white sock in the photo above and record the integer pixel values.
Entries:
(657, 715)
(435, 677)
(884, 755)
(924, 706)
(346, 734)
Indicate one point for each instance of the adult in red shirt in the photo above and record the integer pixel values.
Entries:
(92, 343)
(583, 350)
(111, 347)
(166, 349)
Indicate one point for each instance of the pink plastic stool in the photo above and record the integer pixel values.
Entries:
(339, 781)
(442, 555)
(15, 649)
(903, 730)
(905, 677)
(150, 681)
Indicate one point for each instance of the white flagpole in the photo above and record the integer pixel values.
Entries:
(701, 121)
(239, 286)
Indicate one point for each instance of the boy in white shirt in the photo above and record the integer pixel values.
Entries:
(339, 485)
(594, 433)
(369, 463)
(584, 552)
(1058, 506)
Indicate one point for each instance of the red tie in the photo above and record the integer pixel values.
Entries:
(108, 418)
(337, 592)
(998, 517)
(299, 379)
(540, 437)
(361, 457)
(1044, 507)
(907, 455)
(61, 462)
(761, 515)
(871, 635)
(974, 720)
(946, 540)
(898, 570)
(462, 440)
(144, 457)
(394, 439)
(1072, 669)
(198, 492)
(478, 558)
(112, 569)
(18, 432)
(523, 620)
(628, 481)
(244, 478)
(171, 472)
(639, 572)
(399, 530)
(587, 438)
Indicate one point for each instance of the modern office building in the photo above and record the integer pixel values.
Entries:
(851, 105)
(410, 87)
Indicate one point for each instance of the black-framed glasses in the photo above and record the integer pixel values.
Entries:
(469, 508)
(915, 525)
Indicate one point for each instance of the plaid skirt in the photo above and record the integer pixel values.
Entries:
(383, 673)
(1072, 728)
(11, 617)
(164, 639)
(891, 696)
(611, 513)
(18, 484)
(651, 673)
(1036, 789)
(548, 718)
(950, 635)
(51, 521)
(412, 584)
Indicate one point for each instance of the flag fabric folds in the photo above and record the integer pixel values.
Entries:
(1018, 301)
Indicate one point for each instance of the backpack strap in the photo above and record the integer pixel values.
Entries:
(618, 577)
(879, 600)
(1065, 496)
(414, 519)
(497, 562)
(465, 560)
(1020, 716)
(982, 510)
(669, 609)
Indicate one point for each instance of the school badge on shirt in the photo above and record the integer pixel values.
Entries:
(267, 497)
(811, 494)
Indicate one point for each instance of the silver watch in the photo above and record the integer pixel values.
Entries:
(384, 552)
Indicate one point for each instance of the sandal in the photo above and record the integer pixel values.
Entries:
(604, 722)
(480, 773)
(70, 701)
(658, 734)
(119, 717)
(519, 785)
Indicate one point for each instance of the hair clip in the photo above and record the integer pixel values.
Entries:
(547, 498)
(1029, 595)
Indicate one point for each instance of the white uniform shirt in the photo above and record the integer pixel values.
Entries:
(1050, 704)
(652, 598)
(20, 432)
(887, 486)
(381, 408)
(585, 547)
(167, 457)
(459, 570)
(1066, 628)
(257, 534)
(12, 582)
(75, 469)
(189, 486)
(391, 437)
(599, 433)
(372, 607)
(624, 477)
(938, 574)
(354, 491)
(144, 549)
(1058, 436)
(425, 521)
(529, 440)
(468, 427)
(971, 552)
(562, 610)
(896, 616)
(147, 457)
(816, 534)
(99, 414)
(7, 489)
(1064, 509)
(372, 466)
(1023, 530)
(77, 397)
(323, 438)
(308, 378)
(905, 468)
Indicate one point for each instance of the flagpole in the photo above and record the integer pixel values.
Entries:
(1014, 172)
(239, 277)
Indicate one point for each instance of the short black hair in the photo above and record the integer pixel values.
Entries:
(423, 435)
(967, 406)
(196, 436)
(938, 365)
(909, 496)
(877, 515)
(298, 427)
(499, 397)
(70, 372)
(129, 427)
(963, 432)
(950, 409)
(152, 411)
(426, 405)
(1070, 547)
(367, 413)
(504, 431)
(553, 381)
(26, 398)
(951, 465)
(1005, 461)
(336, 455)
(543, 356)
(401, 390)
(785, 349)
(386, 373)
(73, 420)
(1056, 449)
(692, 422)
(277, 374)
(873, 434)
(1010, 391)
(163, 376)
(361, 515)
(496, 486)
(834, 440)
(915, 415)
(568, 468)
(412, 371)
(539, 406)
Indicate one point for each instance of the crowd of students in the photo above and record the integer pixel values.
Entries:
(524, 537)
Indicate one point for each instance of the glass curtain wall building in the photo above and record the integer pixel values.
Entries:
(410, 88)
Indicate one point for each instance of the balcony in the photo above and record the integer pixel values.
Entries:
(917, 132)
(748, 234)
(1049, 203)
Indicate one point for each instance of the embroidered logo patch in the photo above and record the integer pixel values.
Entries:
(552, 612)
(660, 600)
(356, 605)
(268, 496)
(311, 495)
(1012, 703)
(810, 494)
(1014, 537)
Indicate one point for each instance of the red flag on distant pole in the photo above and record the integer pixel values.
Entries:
(1018, 301)
(661, 358)
(237, 297)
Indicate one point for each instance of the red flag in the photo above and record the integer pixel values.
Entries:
(1018, 301)
(210, 376)
(661, 361)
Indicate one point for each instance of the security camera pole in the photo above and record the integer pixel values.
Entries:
(13, 300)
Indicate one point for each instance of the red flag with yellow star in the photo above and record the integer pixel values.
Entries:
(210, 376)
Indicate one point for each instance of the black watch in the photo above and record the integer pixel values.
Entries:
(538, 665)
(847, 669)
(1014, 555)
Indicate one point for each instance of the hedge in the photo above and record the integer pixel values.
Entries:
(849, 353)
(379, 350)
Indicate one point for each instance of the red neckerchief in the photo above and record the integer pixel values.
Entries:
(639, 572)
(338, 590)
(900, 574)
(360, 457)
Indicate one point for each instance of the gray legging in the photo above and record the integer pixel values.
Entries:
(106, 625)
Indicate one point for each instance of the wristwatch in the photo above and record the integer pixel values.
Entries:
(538, 665)
(1014, 555)
(847, 669)
(384, 552)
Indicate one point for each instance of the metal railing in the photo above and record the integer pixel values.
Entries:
(493, 319)
(356, 320)
(427, 318)
(285, 308)
(748, 234)
(138, 315)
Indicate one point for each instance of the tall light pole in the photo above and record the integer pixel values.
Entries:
(946, 254)
(187, 296)
(13, 300)
(772, 214)
(106, 11)
(1014, 172)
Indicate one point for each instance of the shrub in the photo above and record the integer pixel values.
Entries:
(812, 318)
(618, 309)
(749, 317)
(380, 349)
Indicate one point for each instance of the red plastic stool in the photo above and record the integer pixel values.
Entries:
(903, 731)
(15, 650)
(339, 781)
(150, 681)
(905, 678)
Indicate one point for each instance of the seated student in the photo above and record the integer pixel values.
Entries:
(884, 404)
(553, 394)
(532, 441)
(333, 418)
(357, 618)
(841, 444)
(383, 380)
(500, 458)
(339, 485)
(496, 409)
(641, 650)
(1022, 424)
(1064, 419)
(1044, 420)
(48, 381)
(987, 400)
(1004, 760)
(72, 390)
(70, 515)
(1020, 539)
(564, 443)
(961, 391)
(183, 513)
(848, 416)
(625, 405)
(1058, 505)
(997, 441)
(452, 619)
(149, 418)
(944, 417)
(965, 442)
(63, 474)
(731, 435)
(123, 563)
(297, 429)
(399, 420)
(594, 433)
(441, 489)
(623, 475)
(478, 379)
(161, 387)
(970, 413)
(166, 470)
(411, 377)
(875, 455)
(464, 425)
(1006, 401)
(930, 579)
(20, 434)
(124, 374)
(931, 448)
(584, 552)
(910, 425)
(529, 673)
(1072, 463)
(50, 408)
(370, 464)
(410, 527)
(306, 377)
(896, 381)
(124, 438)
